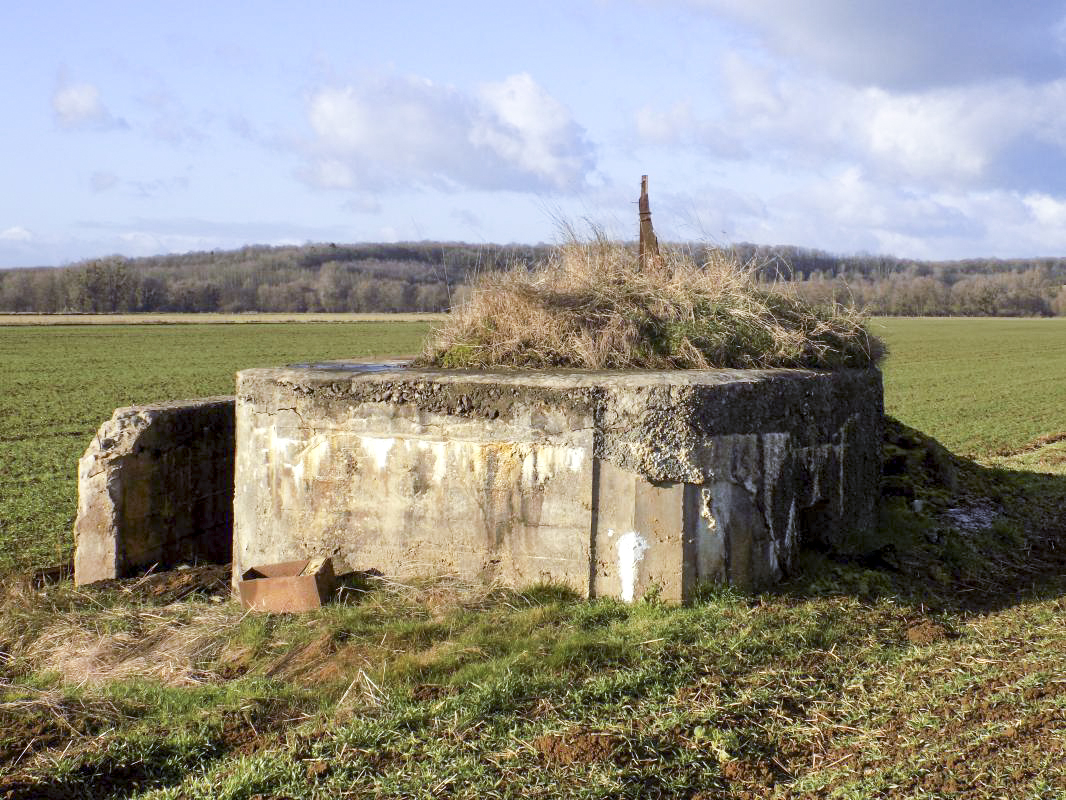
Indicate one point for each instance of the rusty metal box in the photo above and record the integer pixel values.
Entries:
(288, 586)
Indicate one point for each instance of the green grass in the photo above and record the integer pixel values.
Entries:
(848, 682)
(977, 385)
(58, 384)
(541, 695)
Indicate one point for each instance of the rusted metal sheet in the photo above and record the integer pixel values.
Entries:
(289, 586)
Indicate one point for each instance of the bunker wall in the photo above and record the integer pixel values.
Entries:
(613, 483)
(155, 486)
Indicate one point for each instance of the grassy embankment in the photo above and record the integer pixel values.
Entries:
(931, 672)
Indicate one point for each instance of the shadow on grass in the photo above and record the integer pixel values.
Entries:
(114, 774)
(953, 534)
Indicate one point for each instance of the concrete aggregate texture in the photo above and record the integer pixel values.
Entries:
(613, 483)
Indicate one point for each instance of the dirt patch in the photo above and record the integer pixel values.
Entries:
(561, 750)
(431, 692)
(28, 727)
(928, 631)
(1032, 446)
(25, 735)
(751, 778)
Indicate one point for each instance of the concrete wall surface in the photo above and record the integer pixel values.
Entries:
(615, 483)
(155, 486)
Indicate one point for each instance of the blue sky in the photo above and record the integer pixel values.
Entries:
(919, 129)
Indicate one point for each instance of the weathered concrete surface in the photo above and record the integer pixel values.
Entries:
(610, 482)
(155, 486)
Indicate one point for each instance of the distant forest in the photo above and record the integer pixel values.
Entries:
(429, 276)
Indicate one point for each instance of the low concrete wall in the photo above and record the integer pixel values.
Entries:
(611, 482)
(155, 486)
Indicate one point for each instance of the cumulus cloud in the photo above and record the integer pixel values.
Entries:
(16, 233)
(846, 211)
(909, 44)
(910, 127)
(975, 136)
(78, 106)
(680, 125)
(394, 130)
(530, 131)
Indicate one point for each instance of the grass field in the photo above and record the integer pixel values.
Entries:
(207, 318)
(59, 383)
(937, 675)
(978, 385)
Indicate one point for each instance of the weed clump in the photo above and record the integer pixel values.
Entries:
(591, 306)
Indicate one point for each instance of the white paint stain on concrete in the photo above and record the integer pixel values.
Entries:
(575, 458)
(710, 540)
(541, 463)
(440, 457)
(440, 466)
(309, 461)
(282, 444)
(631, 549)
(377, 449)
(529, 469)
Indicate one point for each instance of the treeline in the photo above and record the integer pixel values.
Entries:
(889, 286)
(1034, 292)
(431, 276)
(421, 276)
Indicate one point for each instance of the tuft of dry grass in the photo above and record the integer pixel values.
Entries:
(592, 307)
(168, 644)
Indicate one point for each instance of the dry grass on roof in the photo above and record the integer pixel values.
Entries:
(592, 307)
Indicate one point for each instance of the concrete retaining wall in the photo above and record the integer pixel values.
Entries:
(155, 486)
(613, 483)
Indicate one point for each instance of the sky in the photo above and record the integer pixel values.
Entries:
(932, 129)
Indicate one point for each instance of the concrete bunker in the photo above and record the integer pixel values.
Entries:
(155, 488)
(613, 483)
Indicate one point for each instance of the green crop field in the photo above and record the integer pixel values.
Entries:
(933, 668)
(978, 385)
(57, 384)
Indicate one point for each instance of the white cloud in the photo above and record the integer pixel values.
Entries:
(362, 205)
(405, 130)
(908, 127)
(950, 135)
(16, 234)
(846, 212)
(530, 130)
(1046, 210)
(909, 44)
(679, 125)
(753, 86)
(101, 181)
(665, 127)
(977, 136)
(78, 105)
